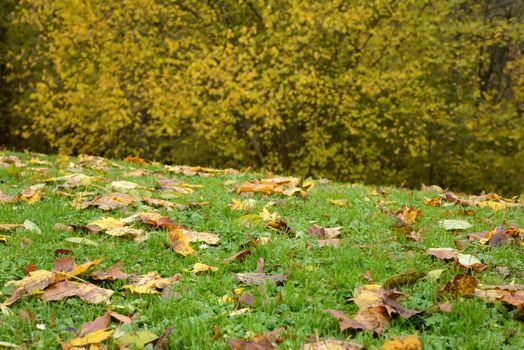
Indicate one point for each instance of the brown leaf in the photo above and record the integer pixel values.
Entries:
(85, 291)
(258, 278)
(324, 232)
(237, 256)
(512, 294)
(376, 307)
(113, 273)
(260, 265)
(443, 253)
(410, 342)
(206, 237)
(281, 226)
(260, 342)
(162, 341)
(157, 220)
(97, 324)
(461, 285)
(113, 201)
(160, 203)
(121, 318)
(29, 268)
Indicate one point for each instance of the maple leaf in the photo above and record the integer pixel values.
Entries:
(112, 201)
(199, 267)
(85, 291)
(407, 215)
(113, 273)
(36, 281)
(179, 242)
(376, 307)
(461, 285)
(88, 339)
(410, 342)
(32, 194)
(150, 283)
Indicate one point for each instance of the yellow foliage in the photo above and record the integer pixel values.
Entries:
(388, 92)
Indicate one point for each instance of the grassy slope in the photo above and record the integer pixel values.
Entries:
(318, 278)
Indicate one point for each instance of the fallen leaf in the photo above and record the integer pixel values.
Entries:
(199, 267)
(150, 283)
(135, 339)
(407, 215)
(330, 344)
(403, 279)
(434, 275)
(433, 202)
(179, 242)
(98, 324)
(246, 204)
(260, 342)
(340, 202)
(259, 278)
(461, 285)
(31, 195)
(36, 281)
(470, 262)
(104, 223)
(81, 240)
(91, 338)
(454, 225)
(324, 232)
(511, 294)
(7, 199)
(138, 235)
(85, 291)
(206, 237)
(376, 307)
(237, 256)
(112, 201)
(443, 253)
(113, 273)
(410, 342)
(124, 185)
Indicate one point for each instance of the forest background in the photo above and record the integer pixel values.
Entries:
(381, 91)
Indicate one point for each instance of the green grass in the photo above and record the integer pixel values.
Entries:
(319, 278)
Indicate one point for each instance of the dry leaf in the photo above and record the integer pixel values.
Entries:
(99, 323)
(206, 237)
(407, 216)
(237, 256)
(324, 232)
(31, 195)
(259, 278)
(443, 253)
(85, 291)
(376, 307)
(36, 281)
(91, 338)
(124, 185)
(461, 285)
(150, 283)
(199, 267)
(81, 240)
(260, 342)
(454, 225)
(179, 242)
(329, 242)
(7, 199)
(512, 294)
(112, 201)
(113, 273)
(410, 342)
(330, 344)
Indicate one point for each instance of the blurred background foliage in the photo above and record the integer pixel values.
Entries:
(383, 91)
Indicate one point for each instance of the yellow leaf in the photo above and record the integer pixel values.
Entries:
(199, 267)
(92, 338)
(179, 242)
